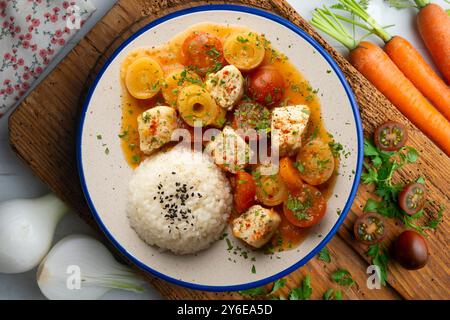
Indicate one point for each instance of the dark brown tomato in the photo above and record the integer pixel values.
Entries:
(250, 119)
(411, 250)
(369, 228)
(203, 52)
(266, 86)
(412, 198)
(391, 136)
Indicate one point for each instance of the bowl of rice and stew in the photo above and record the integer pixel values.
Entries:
(220, 155)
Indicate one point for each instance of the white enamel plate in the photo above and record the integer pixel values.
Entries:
(105, 174)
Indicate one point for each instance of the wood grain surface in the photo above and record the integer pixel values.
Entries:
(43, 127)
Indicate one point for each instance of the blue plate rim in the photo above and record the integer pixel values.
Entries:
(359, 131)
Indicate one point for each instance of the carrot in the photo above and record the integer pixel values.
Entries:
(379, 69)
(415, 68)
(434, 28)
(290, 174)
(408, 60)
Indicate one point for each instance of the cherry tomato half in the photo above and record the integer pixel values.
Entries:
(411, 250)
(244, 191)
(412, 198)
(266, 86)
(306, 207)
(369, 228)
(250, 118)
(391, 136)
(203, 52)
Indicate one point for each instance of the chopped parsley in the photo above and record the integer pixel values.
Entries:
(380, 258)
(342, 277)
(331, 294)
(303, 292)
(324, 255)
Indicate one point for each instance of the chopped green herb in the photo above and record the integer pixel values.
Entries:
(330, 294)
(342, 277)
(254, 292)
(380, 258)
(99, 137)
(253, 269)
(324, 255)
(303, 292)
(280, 283)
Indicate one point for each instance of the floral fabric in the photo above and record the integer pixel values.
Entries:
(31, 33)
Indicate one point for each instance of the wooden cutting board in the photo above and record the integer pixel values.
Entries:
(43, 127)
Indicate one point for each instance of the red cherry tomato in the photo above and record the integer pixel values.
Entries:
(411, 250)
(390, 136)
(266, 86)
(306, 207)
(203, 52)
(244, 191)
(412, 198)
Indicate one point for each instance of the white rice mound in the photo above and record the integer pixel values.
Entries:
(159, 184)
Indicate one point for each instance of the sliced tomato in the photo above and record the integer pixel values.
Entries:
(244, 191)
(412, 198)
(266, 86)
(369, 228)
(306, 207)
(250, 118)
(203, 52)
(391, 136)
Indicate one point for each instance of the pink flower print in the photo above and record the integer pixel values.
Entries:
(66, 30)
(35, 22)
(61, 42)
(18, 29)
(53, 18)
(2, 5)
(56, 9)
(43, 53)
(13, 59)
(9, 90)
(2, 14)
(47, 15)
(26, 44)
(14, 50)
(17, 87)
(7, 56)
(15, 67)
(20, 62)
(12, 18)
(54, 41)
(46, 61)
(26, 76)
(50, 51)
(2, 91)
(25, 85)
(65, 4)
(6, 82)
(5, 24)
(30, 29)
(38, 70)
(28, 36)
(21, 93)
(58, 33)
(28, 18)
(21, 37)
(34, 47)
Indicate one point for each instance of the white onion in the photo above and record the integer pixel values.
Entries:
(27, 227)
(80, 267)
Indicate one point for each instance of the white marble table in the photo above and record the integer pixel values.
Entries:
(17, 181)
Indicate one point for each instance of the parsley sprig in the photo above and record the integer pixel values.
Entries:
(379, 258)
(380, 170)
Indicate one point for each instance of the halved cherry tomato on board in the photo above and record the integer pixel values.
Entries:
(306, 207)
(391, 136)
(290, 174)
(412, 198)
(244, 192)
(266, 85)
(250, 119)
(203, 52)
(369, 228)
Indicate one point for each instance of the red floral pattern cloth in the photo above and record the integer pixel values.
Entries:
(31, 33)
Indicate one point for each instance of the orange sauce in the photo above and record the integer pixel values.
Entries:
(298, 91)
